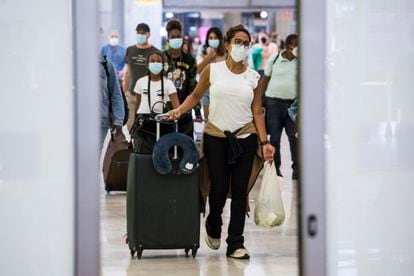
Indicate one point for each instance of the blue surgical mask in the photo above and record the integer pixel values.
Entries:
(176, 43)
(214, 43)
(155, 67)
(141, 39)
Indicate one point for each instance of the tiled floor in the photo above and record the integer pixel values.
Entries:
(273, 251)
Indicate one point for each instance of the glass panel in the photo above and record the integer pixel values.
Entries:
(36, 139)
(370, 129)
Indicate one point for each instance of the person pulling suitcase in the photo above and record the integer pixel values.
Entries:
(112, 104)
(113, 117)
(231, 138)
(153, 92)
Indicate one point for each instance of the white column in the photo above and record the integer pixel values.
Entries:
(230, 19)
(37, 174)
(118, 17)
(147, 11)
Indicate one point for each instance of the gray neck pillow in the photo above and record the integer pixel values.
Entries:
(161, 159)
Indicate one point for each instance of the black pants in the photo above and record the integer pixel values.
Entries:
(277, 119)
(216, 152)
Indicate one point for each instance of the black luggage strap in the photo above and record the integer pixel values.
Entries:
(164, 107)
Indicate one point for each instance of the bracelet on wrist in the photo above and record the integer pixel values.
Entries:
(265, 142)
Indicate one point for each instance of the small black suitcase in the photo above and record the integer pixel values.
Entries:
(163, 211)
(115, 164)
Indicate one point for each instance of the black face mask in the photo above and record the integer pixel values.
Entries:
(263, 40)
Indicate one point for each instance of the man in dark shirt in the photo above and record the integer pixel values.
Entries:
(181, 68)
(136, 59)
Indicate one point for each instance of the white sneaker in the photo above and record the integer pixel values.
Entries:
(240, 253)
(211, 242)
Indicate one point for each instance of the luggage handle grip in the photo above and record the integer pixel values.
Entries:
(165, 117)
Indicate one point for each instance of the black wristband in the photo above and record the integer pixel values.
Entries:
(265, 142)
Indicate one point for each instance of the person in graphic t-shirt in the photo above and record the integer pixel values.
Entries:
(136, 60)
(181, 69)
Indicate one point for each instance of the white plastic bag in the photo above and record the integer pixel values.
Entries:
(268, 210)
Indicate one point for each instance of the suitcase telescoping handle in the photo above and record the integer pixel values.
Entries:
(166, 118)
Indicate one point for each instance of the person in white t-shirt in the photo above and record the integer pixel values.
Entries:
(153, 92)
(161, 89)
(231, 138)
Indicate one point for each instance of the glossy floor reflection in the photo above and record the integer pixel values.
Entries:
(273, 251)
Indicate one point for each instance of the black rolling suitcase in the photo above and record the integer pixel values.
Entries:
(163, 211)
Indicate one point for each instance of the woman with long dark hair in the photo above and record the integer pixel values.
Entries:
(212, 51)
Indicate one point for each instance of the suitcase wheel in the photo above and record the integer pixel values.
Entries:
(107, 188)
(194, 251)
(186, 251)
(132, 253)
(139, 253)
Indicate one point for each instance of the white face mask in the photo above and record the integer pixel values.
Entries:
(113, 41)
(295, 51)
(238, 53)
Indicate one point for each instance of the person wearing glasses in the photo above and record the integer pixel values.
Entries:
(232, 136)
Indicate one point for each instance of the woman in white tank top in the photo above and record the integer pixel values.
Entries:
(231, 137)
